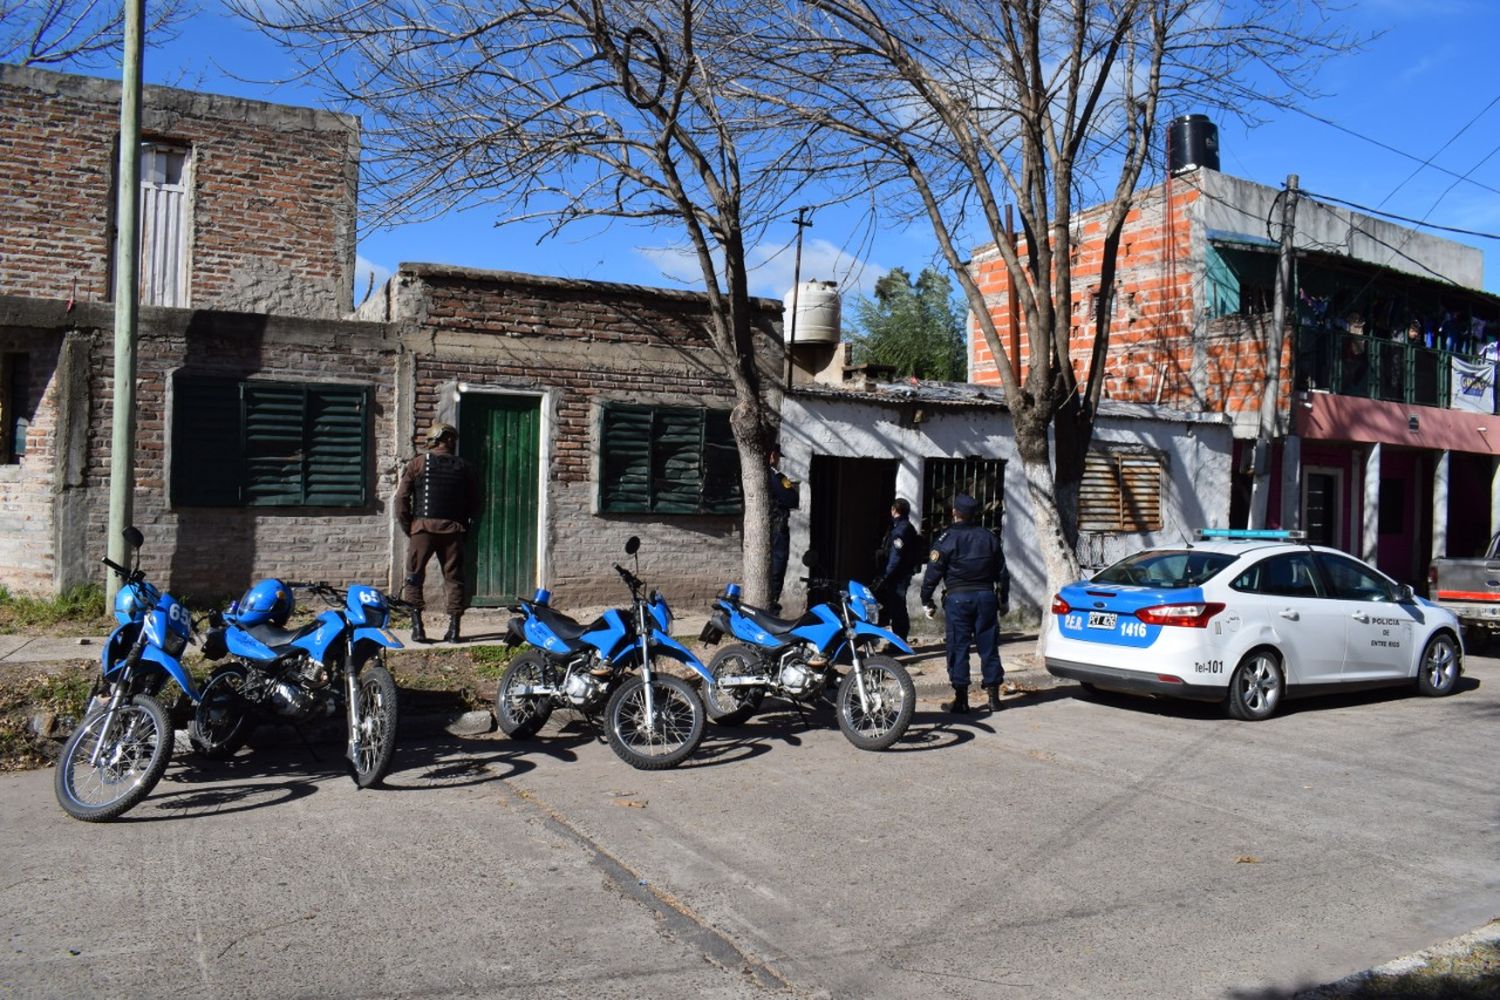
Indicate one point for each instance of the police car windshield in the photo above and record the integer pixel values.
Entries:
(1166, 568)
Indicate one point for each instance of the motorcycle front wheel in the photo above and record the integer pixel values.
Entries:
(376, 691)
(882, 717)
(664, 740)
(222, 721)
(520, 716)
(134, 746)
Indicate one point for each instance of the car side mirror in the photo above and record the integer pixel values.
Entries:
(1404, 594)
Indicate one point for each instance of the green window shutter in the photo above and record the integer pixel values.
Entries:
(274, 414)
(626, 467)
(206, 448)
(336, 446)
(721, 464)
(677, 460)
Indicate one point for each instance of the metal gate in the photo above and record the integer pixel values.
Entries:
(501, 437)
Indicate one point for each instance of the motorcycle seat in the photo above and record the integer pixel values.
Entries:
(277, 637)
(561, 625)
(768, 621)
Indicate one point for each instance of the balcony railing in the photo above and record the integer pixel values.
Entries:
(1397, 371)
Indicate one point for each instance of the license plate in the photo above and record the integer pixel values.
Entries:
(1102, 619)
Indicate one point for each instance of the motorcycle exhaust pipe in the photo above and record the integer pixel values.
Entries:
(740, 682)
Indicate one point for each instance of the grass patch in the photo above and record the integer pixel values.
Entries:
(62, 694)
(79, 610)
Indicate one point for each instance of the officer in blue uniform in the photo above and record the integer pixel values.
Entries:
(899, 556)
(969, 559)
(785, 498)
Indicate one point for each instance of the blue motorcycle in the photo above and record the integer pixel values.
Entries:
(652, 720)
(120, 750)
(335, 662)
(795, 659)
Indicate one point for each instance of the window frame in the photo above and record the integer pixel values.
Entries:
(643, 472)
(1124, 520)
(1328, 560)
(332, 419)
(1314, 571)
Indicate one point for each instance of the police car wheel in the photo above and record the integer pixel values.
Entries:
(1437, 674)
(1257, 687)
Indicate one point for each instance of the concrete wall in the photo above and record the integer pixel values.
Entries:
(578, 345)
(273, 195)
(1196, 452)
(56, 500)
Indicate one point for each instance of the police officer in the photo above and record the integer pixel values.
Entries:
(899, 556)
(785, 498)
(436, 500)
(970, 559)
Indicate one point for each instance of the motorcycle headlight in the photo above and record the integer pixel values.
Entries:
(175, 644)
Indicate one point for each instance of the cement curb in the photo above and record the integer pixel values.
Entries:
(1357, 983)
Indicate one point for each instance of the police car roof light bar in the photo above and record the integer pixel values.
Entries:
(1264, 534)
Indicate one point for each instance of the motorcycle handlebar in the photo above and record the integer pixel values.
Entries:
(115, 566)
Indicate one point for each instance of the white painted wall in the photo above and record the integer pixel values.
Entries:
(1197, 449)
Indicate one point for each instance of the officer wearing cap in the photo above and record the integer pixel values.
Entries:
(969, 559)
(437, 499)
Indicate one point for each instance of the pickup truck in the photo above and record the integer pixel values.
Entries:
(1470, 588)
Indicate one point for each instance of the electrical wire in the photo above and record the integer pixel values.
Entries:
(1386, 146)
(1454, 138)
(1402, 218)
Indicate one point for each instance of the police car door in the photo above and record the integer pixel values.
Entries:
(1280, 596)
(1378, 631)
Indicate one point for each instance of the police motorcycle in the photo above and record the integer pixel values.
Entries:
(652, 720)
(795, 659)
(335, 662)
(120, 750)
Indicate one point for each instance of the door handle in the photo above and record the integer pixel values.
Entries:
(1289, 614)
(1360, 616)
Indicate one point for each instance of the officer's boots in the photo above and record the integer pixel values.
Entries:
(960, 703)
(452, 634)
(994, 692)
(418, 633)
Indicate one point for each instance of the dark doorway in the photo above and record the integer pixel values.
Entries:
(851, 510)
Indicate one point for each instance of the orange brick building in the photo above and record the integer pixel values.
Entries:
(1387, 364)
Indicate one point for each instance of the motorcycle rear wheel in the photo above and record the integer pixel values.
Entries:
(376, 691)
(521, 716)
(892, 699)
(222, 721)
(132, 761)
(731, 706)
(663, 741)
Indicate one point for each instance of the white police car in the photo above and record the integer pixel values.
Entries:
(1249, 618)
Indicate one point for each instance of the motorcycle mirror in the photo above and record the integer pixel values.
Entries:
(632, 545)
(133, 536)
(809, 558)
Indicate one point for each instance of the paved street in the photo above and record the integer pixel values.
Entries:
(1064, 848)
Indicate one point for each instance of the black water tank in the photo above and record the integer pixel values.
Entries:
(1192, 142)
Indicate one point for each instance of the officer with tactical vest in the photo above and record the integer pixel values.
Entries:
(436, 501)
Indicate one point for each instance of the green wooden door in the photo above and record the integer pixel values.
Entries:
(501, 436)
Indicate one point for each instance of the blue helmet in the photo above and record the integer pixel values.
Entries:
(267, 601)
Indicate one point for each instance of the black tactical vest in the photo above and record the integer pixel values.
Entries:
(441, 491)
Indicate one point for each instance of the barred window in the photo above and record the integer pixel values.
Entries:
(945, 478)
(253, 443)
(1121, 492)
(668, 460)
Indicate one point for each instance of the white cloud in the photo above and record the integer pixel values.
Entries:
(368, 276)
(772, 267)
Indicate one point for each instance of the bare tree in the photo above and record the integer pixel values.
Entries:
(81, 33)
(572, 110)
(967, 105)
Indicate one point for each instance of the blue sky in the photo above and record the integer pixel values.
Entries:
(1428, 86)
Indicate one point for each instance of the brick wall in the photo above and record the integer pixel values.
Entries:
(272, 202)
(26, 486)
(581, 344)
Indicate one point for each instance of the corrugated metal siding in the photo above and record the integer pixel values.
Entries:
(164, 227)
(1120, 492)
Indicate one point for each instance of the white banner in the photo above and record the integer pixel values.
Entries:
(1473, 386)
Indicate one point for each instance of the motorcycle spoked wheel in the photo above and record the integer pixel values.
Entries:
(521, 716)
(376, 691)
(663, 741)
(892, 699)
(731, 706)
(137, 748)
(224, 718)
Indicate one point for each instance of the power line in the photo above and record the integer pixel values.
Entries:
(1403, 218)
(1388, 147)
(1428, 162)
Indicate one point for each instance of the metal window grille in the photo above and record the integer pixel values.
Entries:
(668, 460)
(1121, 492)
(945, 478)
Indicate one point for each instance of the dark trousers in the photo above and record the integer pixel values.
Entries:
(781, 551)
(449, 549)
(892, 598)
(973, 616)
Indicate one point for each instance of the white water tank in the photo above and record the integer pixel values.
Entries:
(817, 319)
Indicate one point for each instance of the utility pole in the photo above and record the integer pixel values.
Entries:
(801, 222)
(127, 245)
(1271, 426)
